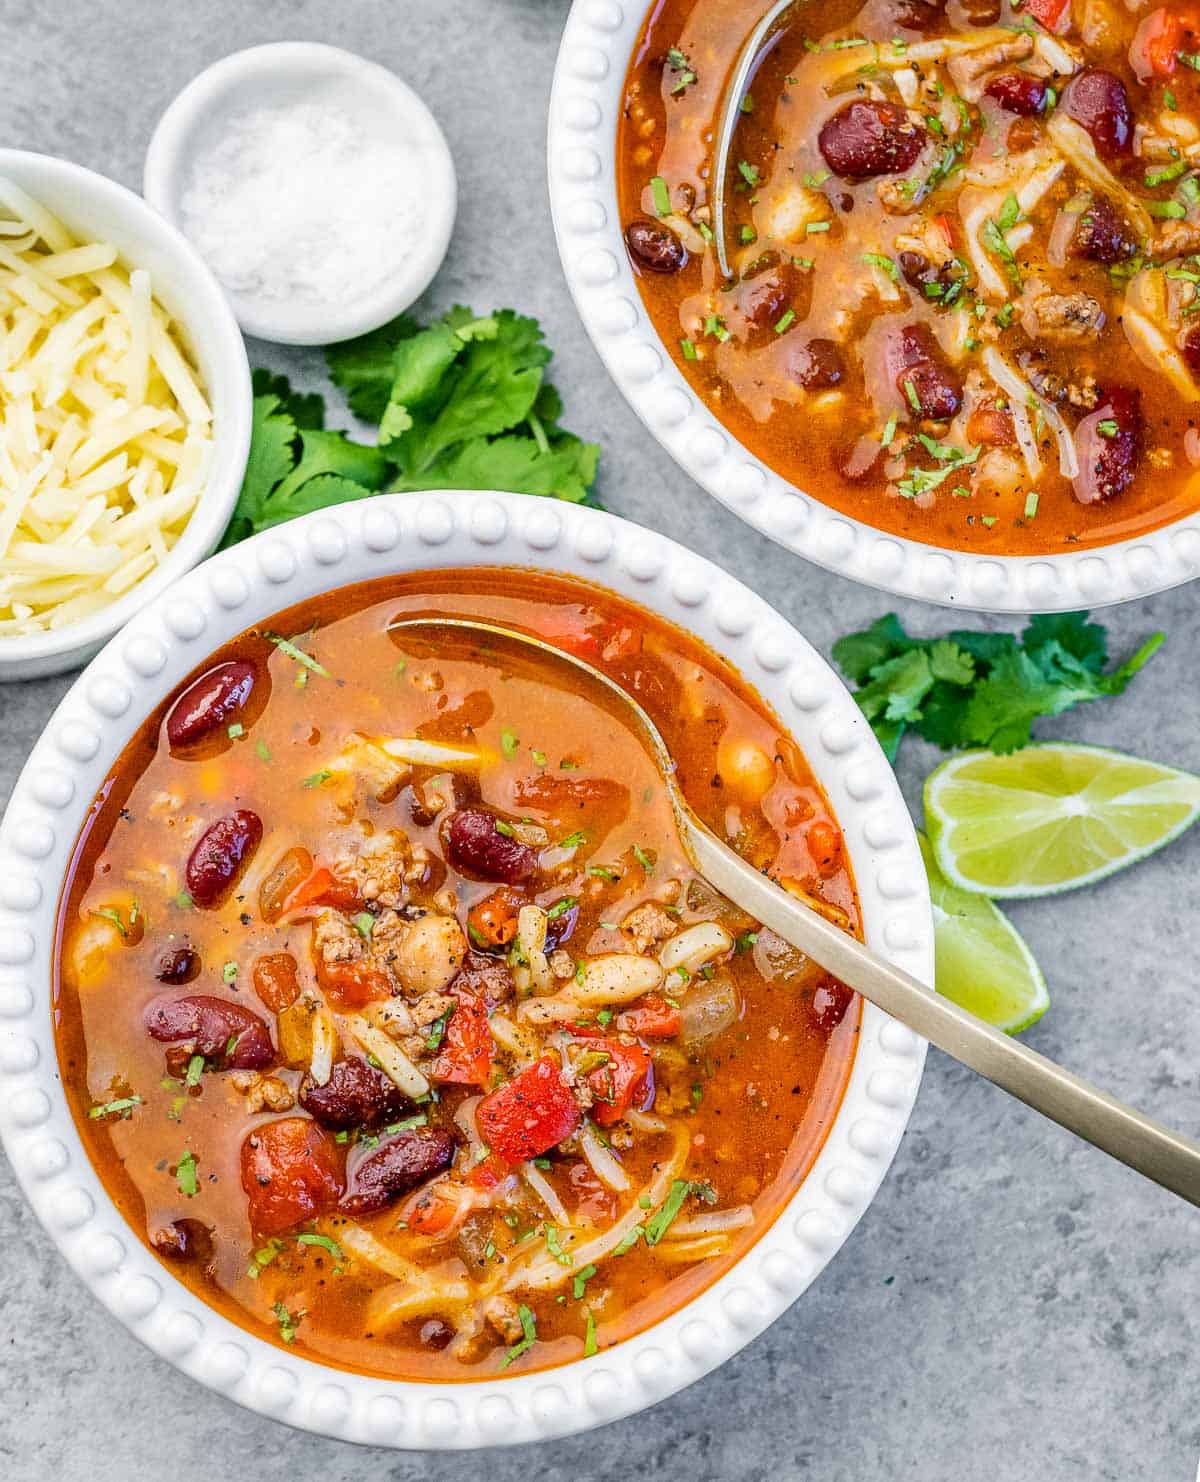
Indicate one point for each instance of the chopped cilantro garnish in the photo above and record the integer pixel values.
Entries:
(582, 1277)
(748, 172)
(317, 778)
(509, 743)
(590, 1345)
(661, 1220)
(785, 322)
(884, 264)
(122, 1107)
(644, 858)
(437, 1031)
(505, 828)
(288, 1321)
(194, 1071)
(364, 924)
(1108, 428)
(286, 646)
(1031, 504)
(326, 1242)
(604, 873)
(529, 1329)
(185, 1175)
(554, 1246)
(110, 913)
(662, 196)
(263, 751)
(573, 841)
(628, 1240)
(235, 731)
(561, 906)
(688, 348)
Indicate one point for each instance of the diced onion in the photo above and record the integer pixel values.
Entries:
(601, 1161)
(616, 977)
(1021, 394)
(420, 753)
(713, 1220)
(544, 1189)
(691, 948)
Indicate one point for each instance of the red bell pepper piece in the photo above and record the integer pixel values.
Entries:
(533, 1112)
(291, 1172)
(467, 1049)
(654, 1018)
(321, 888)
(1048, 12)
(625, 1079)
(1160, 39)
(489, 1173)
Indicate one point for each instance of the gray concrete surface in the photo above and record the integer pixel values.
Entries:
(1012, 1307)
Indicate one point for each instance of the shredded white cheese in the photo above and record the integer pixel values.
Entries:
(105, 431)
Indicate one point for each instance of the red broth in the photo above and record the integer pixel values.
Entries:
(359, 1006)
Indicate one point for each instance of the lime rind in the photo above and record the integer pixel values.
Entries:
(1052, 817)
(982, 961)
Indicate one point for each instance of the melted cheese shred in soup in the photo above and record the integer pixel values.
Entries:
(391, 1013)
(965, 242)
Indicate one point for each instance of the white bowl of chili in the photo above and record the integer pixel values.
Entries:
(1136, 553)
(244, 586)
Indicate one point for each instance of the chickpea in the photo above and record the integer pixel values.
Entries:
(745, 768)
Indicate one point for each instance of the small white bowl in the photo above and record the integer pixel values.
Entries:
(247, 584)
(96, 208)
(585, 106)
(276, 77)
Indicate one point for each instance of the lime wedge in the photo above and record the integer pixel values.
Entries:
(1051, 817)
(983, 963)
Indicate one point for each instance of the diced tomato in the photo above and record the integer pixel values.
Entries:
(467, 1049)
(1049, 12)
(321, 888)
(625, 1079)
(654, 1018)
(276, 980)
(292, 1172)
(1156, 47)
(439, 1208)
(350, 985)
(492, 922)
(489, 1173)
(533, 1112)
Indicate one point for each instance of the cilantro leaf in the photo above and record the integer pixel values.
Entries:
(980, 689)
(363, 368)
(305, 408)
(566, 471)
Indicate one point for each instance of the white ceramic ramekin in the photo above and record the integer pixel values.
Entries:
(97, 208)
(243, 586)
(585, 106)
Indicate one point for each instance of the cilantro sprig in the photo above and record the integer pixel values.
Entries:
(462, 403)
(980, 689)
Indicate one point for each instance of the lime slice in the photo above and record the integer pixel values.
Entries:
(1051, 817)
(983, 963)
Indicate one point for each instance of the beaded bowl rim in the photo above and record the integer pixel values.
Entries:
(585, 104)
(377, 537)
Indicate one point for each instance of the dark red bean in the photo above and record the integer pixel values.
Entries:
(864, 139)
(764, 299)
(1103, 234)
(655, 247)
(355, 1095)
(1109, 445)
(829, 1004)
(1191, 350)
(1020, 93)
(395, 1168)
(211, 702)
(477, 847)
(817, 364)
(926, 382)
(1097, 101)
(185, 1240)
(917, 15)
(210, 1025)
(178, 965)
(223, 851)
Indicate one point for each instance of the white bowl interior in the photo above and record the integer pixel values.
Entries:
(585, 106)
(278, 76)
(244, 585)
(95, 207)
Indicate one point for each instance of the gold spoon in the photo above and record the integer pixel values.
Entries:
(730, 116)
(1125, 1134)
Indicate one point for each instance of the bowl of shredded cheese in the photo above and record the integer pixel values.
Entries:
(125, 407)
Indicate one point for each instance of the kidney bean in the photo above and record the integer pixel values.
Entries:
(223, 851)
(1098, 102)
(991, 427)
(829, 1003)
(1103, 235)
(817, 364)
(864, 139)
(184, 1240)
(178, 964)
(475, 846)
(1109, 445)
(291, 1172)
(764, 299)
(355, 1095)
(917, 15)
(1020, 93)
(396, 1167)
(209, 1024)
(655, 247)
(917, 362)
(210, 702)
(1191, 350)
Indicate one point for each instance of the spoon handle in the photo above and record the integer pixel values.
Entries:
(1135, 1140)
